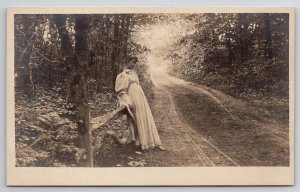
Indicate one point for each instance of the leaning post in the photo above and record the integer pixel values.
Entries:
(85, 139)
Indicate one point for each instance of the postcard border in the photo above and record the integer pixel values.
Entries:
(18, 176)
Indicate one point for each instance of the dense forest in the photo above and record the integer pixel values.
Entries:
(62, 62)
(65, 61)
(78, 51)
(241, 54)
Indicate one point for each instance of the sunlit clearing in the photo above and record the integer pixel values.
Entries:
(160, 39)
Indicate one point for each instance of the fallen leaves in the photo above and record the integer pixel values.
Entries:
(46, 130)
(26, 156)
(53, 119)
(141, 163)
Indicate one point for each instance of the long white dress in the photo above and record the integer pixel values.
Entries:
(147, 137)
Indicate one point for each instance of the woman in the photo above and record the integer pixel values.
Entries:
(147, 136)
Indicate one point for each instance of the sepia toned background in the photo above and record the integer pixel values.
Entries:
(224, 75)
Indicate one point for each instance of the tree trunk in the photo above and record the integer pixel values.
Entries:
(78, 61)
(229, 48)
(85, 138)
(66, 48)
(115, 50)
(268, 36)
(67, 51)
(79, 71)
(26, 56)
(242, 44)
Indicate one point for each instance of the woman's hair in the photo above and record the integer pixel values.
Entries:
(131, 62)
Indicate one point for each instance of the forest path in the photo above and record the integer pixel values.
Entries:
(201, 126)
(184, 144)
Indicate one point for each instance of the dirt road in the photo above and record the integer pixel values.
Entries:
(186, 146)
(204, 127)
(201, 126)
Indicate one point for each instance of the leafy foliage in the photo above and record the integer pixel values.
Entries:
(239, 53)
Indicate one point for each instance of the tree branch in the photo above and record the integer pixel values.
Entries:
(99, 121)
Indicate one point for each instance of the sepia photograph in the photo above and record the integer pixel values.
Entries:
(151, 89)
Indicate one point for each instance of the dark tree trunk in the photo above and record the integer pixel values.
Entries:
(77, 61)
(78, 76)
(66, 48)
(268, 36)
(67, 51)
(125, 41)
(242, 43)
(115, 50)
(27, 56)
(229, 48)
(80, 70)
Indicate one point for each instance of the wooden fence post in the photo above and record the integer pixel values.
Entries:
(85, 139)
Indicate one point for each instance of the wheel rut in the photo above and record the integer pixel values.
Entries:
(184, 143)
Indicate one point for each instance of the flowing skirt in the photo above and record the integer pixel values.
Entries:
(147, 135)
